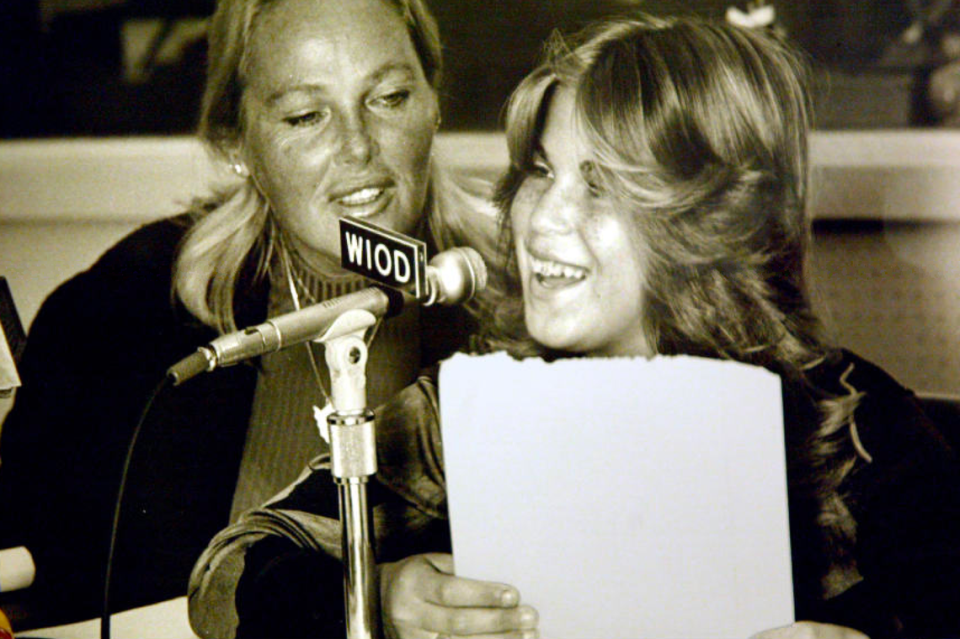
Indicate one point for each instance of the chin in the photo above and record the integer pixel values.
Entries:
(554, 340)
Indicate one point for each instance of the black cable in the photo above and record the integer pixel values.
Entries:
(108, 571)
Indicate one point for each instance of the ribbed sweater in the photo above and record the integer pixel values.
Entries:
(283, 435)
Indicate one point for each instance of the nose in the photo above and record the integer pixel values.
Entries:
(557, 210)
(357, 145)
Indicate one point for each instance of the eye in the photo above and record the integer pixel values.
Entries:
(309, 118)
(539, 167)
(588, 172)
(391, 100)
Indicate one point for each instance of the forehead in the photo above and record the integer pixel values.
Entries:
(304, 36)
(559, 138)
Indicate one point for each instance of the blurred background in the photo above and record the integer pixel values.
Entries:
(100, 98)
(119, 67)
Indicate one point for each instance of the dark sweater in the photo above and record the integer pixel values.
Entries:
(98, 347)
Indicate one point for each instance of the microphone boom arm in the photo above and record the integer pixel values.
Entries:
(452, 277)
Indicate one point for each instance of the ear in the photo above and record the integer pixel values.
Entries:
(235, 157)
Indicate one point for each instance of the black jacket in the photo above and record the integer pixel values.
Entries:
(99, 346)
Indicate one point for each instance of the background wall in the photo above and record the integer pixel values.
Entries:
(890, 292)
(885, 260)
(118, 67)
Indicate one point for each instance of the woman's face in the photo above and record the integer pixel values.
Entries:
(580, 264)
(338, 120)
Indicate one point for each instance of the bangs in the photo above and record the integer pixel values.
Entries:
(526, 114)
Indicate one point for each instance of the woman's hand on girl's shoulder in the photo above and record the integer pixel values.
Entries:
(421, 598)
(810, 630)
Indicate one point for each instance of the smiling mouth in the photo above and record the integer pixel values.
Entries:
(361, 197)
(553, 274)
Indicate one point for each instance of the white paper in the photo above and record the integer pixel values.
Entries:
(16, 569)
(624, 498)
(165, 620)
(9, 379)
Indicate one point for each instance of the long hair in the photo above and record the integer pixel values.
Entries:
(233, 229)
(698, 130)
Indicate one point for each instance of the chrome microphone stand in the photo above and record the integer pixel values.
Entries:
(353, 450)
(452, 277)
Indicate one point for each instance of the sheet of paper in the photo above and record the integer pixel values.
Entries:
(9, 379)
(623, 497)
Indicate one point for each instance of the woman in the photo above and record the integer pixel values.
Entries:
(324, 109)
(655, 205)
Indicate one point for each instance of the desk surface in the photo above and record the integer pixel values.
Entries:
(165, 620)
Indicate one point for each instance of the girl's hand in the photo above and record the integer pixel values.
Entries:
(810, 630)
(422, 599)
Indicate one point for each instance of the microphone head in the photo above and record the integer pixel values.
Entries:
(456, 275)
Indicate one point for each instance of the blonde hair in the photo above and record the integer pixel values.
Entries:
(233, 229)
(699, 131)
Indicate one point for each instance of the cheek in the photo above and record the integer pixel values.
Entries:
(616, 247)
(274, 161)
(407, 144)
(288, 173)
(521, 207)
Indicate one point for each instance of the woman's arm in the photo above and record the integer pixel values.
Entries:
(294, 540)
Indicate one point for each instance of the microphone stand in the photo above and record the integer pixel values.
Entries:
(353, 449)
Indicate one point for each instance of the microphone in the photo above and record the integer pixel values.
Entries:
(453, 277)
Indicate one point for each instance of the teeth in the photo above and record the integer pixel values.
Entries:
(362, 196)
(555, 269)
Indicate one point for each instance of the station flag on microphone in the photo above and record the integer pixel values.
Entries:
(383, 255)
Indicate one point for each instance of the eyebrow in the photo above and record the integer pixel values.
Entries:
(315, 87)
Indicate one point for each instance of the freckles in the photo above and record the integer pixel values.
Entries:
(602, 231)
(406, 149)
(414, 141)
(523, 204)
(286, 148)
(271, 145)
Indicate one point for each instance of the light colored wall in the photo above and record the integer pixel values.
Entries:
(891, 289)
(35, 258)
(892, 294)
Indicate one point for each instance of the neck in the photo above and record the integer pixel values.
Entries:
(309, 264)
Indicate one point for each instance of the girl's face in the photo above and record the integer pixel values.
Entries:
(338, 120)
(581, 266)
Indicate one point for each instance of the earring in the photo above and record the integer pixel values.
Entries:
(240, 169)
(439, 121)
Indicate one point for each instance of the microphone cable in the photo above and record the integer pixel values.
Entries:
(115, 524)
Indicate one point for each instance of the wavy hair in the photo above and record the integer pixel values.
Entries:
(233, 228)
(698, 130)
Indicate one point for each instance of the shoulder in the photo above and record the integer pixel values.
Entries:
(844, 373)
(843, 369)
(150, 248)
(889, 416)
(906, 502)
(124, 296)
(906, 448)
(138, 265)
